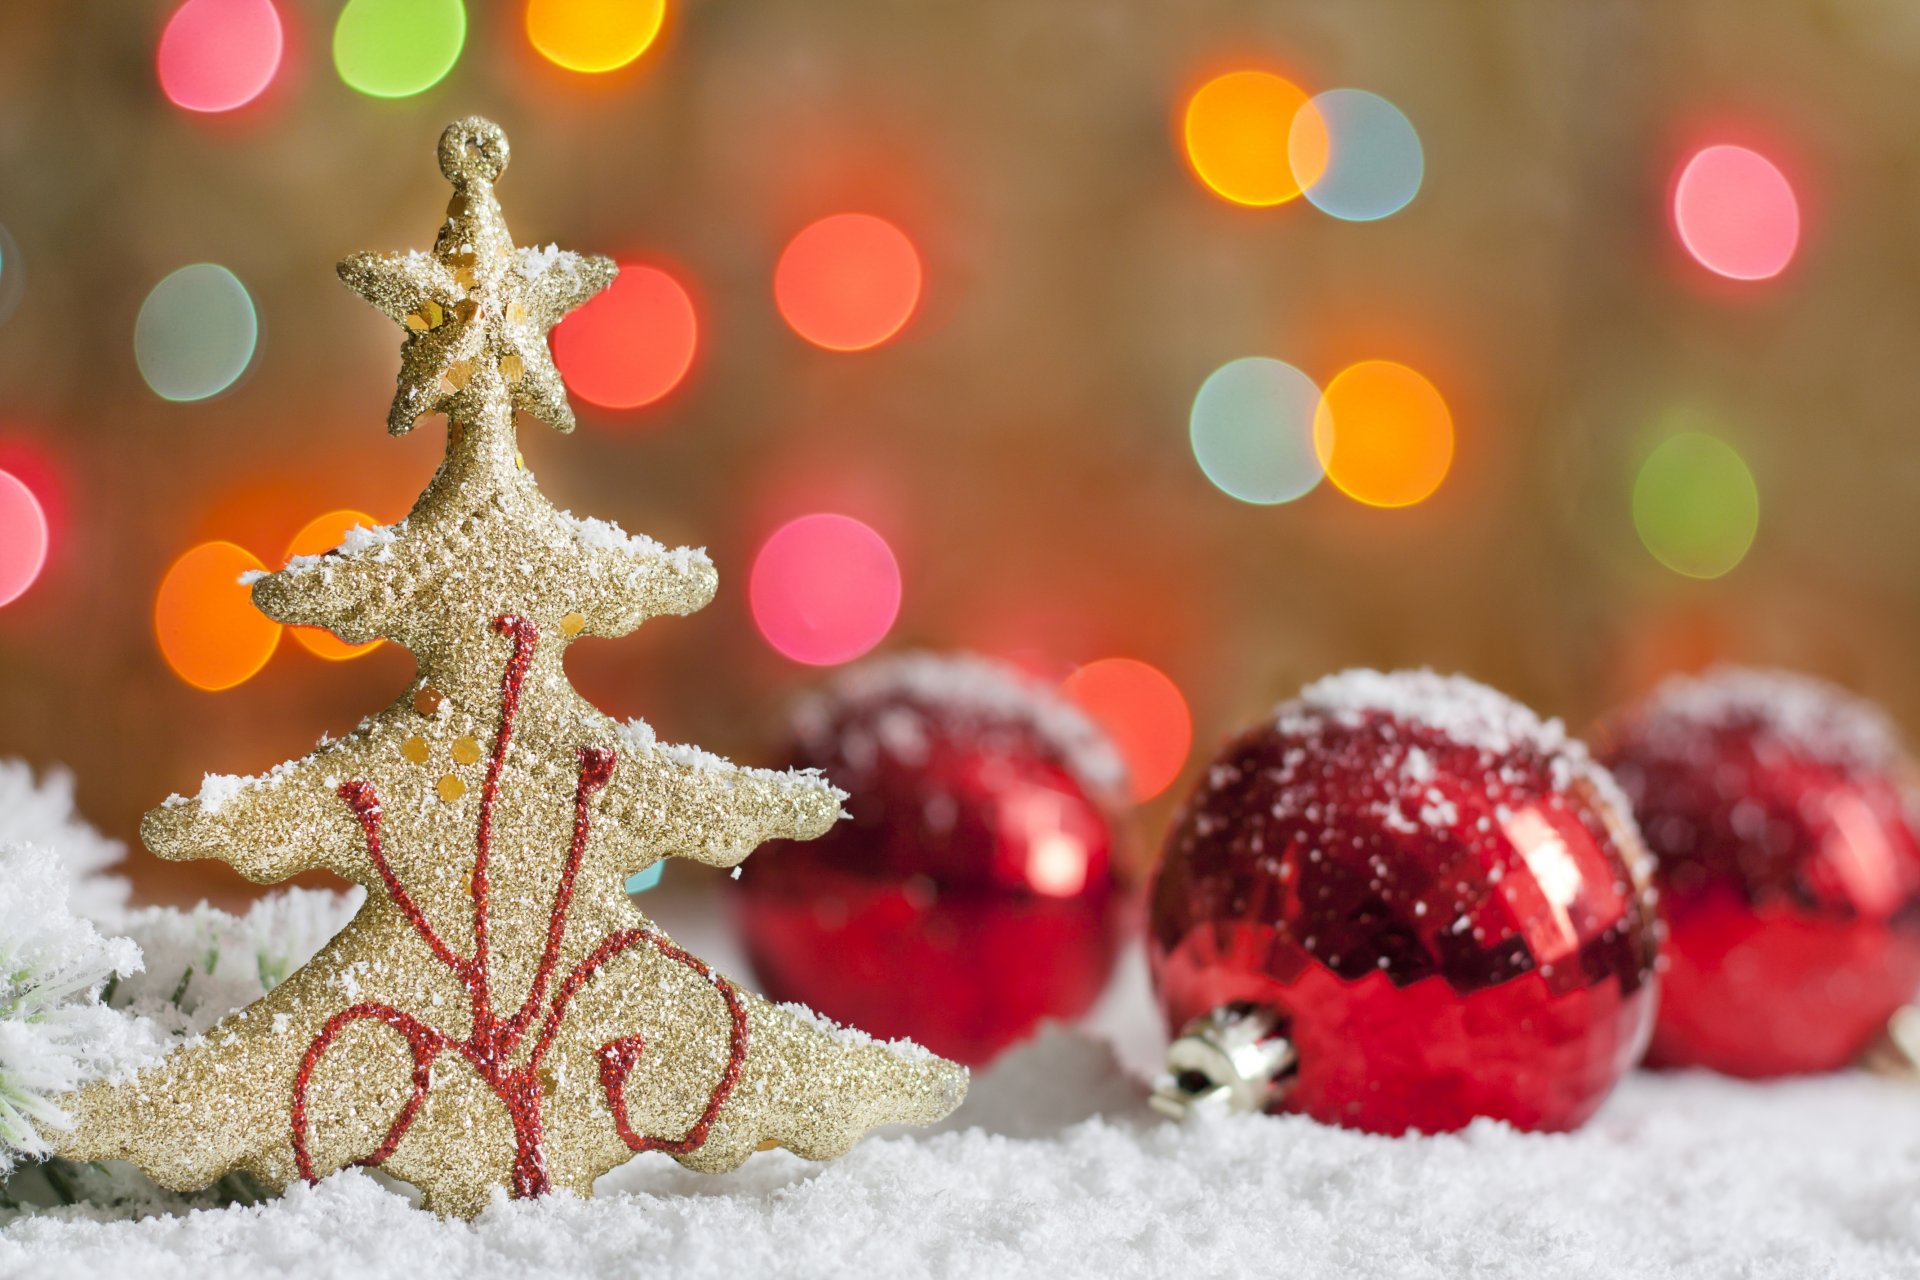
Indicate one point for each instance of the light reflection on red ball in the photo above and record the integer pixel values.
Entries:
(1782, 814)
(1439, 896)
(972, 893)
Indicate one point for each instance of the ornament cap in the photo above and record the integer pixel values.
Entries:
(1235, 1057)
(473, 148)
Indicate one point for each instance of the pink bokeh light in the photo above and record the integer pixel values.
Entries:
(1736, 213)
(825, 589)
(23, 538)
(216, 55)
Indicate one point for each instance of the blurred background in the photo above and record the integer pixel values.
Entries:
(1181, 352)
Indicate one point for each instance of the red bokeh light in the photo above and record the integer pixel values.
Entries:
(632, 344)
(1143, 712)
(848, 282)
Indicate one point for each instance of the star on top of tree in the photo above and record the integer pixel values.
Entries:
(476, 309)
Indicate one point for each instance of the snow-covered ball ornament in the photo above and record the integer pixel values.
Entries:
(1783, 813)
(972, 892)
(1403, 903)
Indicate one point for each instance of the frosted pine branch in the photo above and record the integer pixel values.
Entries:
(55, 1032)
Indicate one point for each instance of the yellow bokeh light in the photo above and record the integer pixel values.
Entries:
(1237, 130)
(593, 36)
(321, 535)
(1384, 434)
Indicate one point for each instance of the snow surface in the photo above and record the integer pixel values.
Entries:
(1055, 1167)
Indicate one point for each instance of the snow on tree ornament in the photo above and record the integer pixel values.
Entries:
(1403, 903)
(1786, 818)
(497, 1015)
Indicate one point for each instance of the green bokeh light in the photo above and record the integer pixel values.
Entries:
(196, 333)
(1252, 430)
(395, 48)
(1695, 505)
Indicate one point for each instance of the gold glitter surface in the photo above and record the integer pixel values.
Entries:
(480, 544)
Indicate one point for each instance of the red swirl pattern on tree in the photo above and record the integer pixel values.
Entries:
(491, 1045)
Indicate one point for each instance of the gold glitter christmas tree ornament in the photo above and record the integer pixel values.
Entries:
(498, 1015)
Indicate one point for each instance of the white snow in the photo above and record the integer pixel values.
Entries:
(1463, 709)
(40, 812)
(966, 686)
(1807, 716)
(55, 1033)
(216, 789)
(639, 737)
(368, 542)
(536, 260)
(604, 535)
(844, 1035)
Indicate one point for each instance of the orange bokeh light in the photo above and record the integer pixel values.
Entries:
(1143, 712)
(323, 534)
(593, 36)
(1384, 434)
(1237, 129)
(848, 282)
(209, 631)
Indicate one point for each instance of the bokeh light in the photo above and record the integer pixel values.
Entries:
(23, 538)
(825, 589)
(1143, 712)
(593, 35)
(1236, 130)
(848, 282)
(1252, 430)
(196, 333)
(632, 343)
(396, 48)
(216, 55)
(1736, 213)
(320, 535)
(13, 275)
(209, 631)
(1384, 434)
(1356, 155)
(1695, 505)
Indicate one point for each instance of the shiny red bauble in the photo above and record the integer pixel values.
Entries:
(1439, 898)
(1783, 816)
(972, 893)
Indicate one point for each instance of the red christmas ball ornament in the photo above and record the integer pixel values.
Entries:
(1782, 812)
(972, 893)
(1404, 903)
